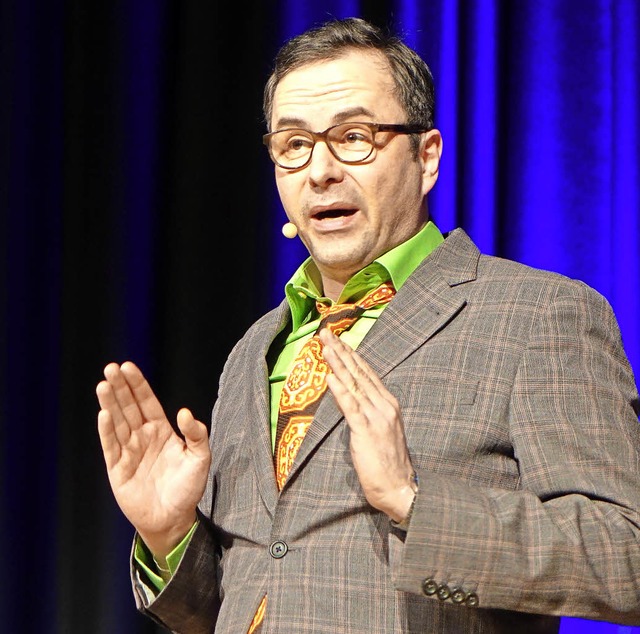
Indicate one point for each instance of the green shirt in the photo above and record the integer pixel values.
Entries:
(302, 291)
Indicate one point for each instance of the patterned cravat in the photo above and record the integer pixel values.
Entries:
(306, 384)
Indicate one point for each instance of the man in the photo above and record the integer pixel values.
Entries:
(473, 467)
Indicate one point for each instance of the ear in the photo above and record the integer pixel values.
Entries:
(430, 153)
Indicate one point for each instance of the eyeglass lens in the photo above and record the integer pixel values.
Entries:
(349, 142)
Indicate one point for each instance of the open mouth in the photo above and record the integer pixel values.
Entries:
(334, 213)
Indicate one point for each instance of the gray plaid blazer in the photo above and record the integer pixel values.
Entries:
(521, 416)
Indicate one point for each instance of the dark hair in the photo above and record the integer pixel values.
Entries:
(333, 39)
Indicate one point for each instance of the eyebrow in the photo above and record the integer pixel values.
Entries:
(339, 117)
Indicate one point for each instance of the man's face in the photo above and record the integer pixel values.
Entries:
(348, 215)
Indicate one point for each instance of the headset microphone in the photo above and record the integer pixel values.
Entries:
(289, 230)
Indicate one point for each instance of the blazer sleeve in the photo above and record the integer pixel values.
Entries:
(191, 599)
(566, 541)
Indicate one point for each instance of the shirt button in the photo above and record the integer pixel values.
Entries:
(278, 550)
(472, 599)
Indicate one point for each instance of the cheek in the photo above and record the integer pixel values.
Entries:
(391, 186)
(399, 197)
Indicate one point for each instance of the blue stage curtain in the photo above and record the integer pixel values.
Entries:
(130, 153)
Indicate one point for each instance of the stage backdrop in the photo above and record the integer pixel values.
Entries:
(140, 221)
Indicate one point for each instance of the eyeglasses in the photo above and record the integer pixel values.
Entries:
(351, 142)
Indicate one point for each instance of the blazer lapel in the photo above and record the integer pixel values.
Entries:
(258, 380)
(428, 301)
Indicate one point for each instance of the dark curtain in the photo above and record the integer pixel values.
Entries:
(140, 221)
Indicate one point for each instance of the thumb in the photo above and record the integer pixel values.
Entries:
(194, 432)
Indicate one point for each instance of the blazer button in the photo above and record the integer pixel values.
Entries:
(444, 592)
(429, 586)
(472, 600)
(278, 550)
(458, 595)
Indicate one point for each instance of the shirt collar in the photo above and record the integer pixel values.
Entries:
(303, 289)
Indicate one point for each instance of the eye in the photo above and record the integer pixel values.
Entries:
(296, 143)
(354, 136)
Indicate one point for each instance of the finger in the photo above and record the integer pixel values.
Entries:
(351, 400)
(111, 448)
(356, 365)
(364, 376)
(377, 386)
(123, 397)
(109, 402)
(357, 379)
(347, 402)
(337, 354)
(146, 399)
(362, 412)
(194, 432)
(350, 369)
(135, 397)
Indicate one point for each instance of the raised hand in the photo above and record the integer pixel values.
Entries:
(157, 477)
(378, 444)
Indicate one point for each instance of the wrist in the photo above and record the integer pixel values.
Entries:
(403, 524)
(162, 544)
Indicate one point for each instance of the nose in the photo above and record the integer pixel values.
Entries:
(324, 167)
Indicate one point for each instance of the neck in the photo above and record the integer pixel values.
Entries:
(332, 288)
(333, 281)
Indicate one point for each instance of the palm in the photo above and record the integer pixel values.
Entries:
(153, 481)
(156, 476)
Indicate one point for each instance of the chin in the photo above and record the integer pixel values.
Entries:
(343, 267)
(347, 252)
